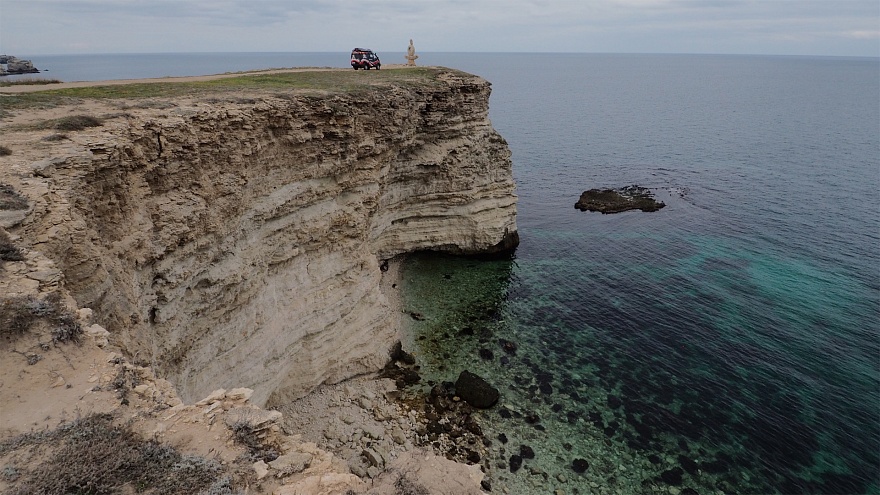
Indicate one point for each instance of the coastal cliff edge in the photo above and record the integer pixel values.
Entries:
(233, 235)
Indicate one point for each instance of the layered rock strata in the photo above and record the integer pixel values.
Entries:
(237, 242)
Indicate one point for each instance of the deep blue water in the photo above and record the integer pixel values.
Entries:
(727, 343)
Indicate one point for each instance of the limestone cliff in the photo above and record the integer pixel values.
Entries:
(235, 240)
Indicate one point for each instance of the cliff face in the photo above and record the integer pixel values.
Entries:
(237, 242)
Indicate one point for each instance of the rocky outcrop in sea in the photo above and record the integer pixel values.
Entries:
(14, 65)
(618, 200)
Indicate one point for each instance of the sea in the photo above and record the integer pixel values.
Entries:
(728, 343)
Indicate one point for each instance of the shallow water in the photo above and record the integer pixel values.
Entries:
(727, 342)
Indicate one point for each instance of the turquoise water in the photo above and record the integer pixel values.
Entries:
(728, 342)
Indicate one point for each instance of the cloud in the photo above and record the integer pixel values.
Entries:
(265, 12)
(862, 35)
(724, 26)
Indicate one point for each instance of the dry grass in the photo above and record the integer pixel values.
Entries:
(69, 123)
(29, 81)
(99, 455)
(244, 434)
(18, 314)
(8, 250)
(405, 486)
(75, 123)
(10, 199)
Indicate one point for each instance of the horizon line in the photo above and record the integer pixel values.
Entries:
(449, 52)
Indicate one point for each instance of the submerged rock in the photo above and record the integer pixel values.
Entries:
(579, 466)
(614, 402)
(688, 464)
(672, 476)
(398, 354)
(509, 347)
(515, 463)
(476, 391)
(618, 200)
(403, 376)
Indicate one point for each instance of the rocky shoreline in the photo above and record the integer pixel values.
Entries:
(373, 421)
(371, 425)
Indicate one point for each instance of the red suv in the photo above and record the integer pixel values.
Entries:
(364, 58)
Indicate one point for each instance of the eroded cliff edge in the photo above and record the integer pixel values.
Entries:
(235, 239)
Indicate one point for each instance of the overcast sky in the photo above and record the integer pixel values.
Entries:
(785, 27)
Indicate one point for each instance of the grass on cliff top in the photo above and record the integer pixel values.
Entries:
(334, 81)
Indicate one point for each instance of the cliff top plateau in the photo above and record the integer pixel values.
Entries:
(180, 259)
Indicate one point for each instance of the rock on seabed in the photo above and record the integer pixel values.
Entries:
(476, 391)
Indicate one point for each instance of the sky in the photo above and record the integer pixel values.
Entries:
(772, 27)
